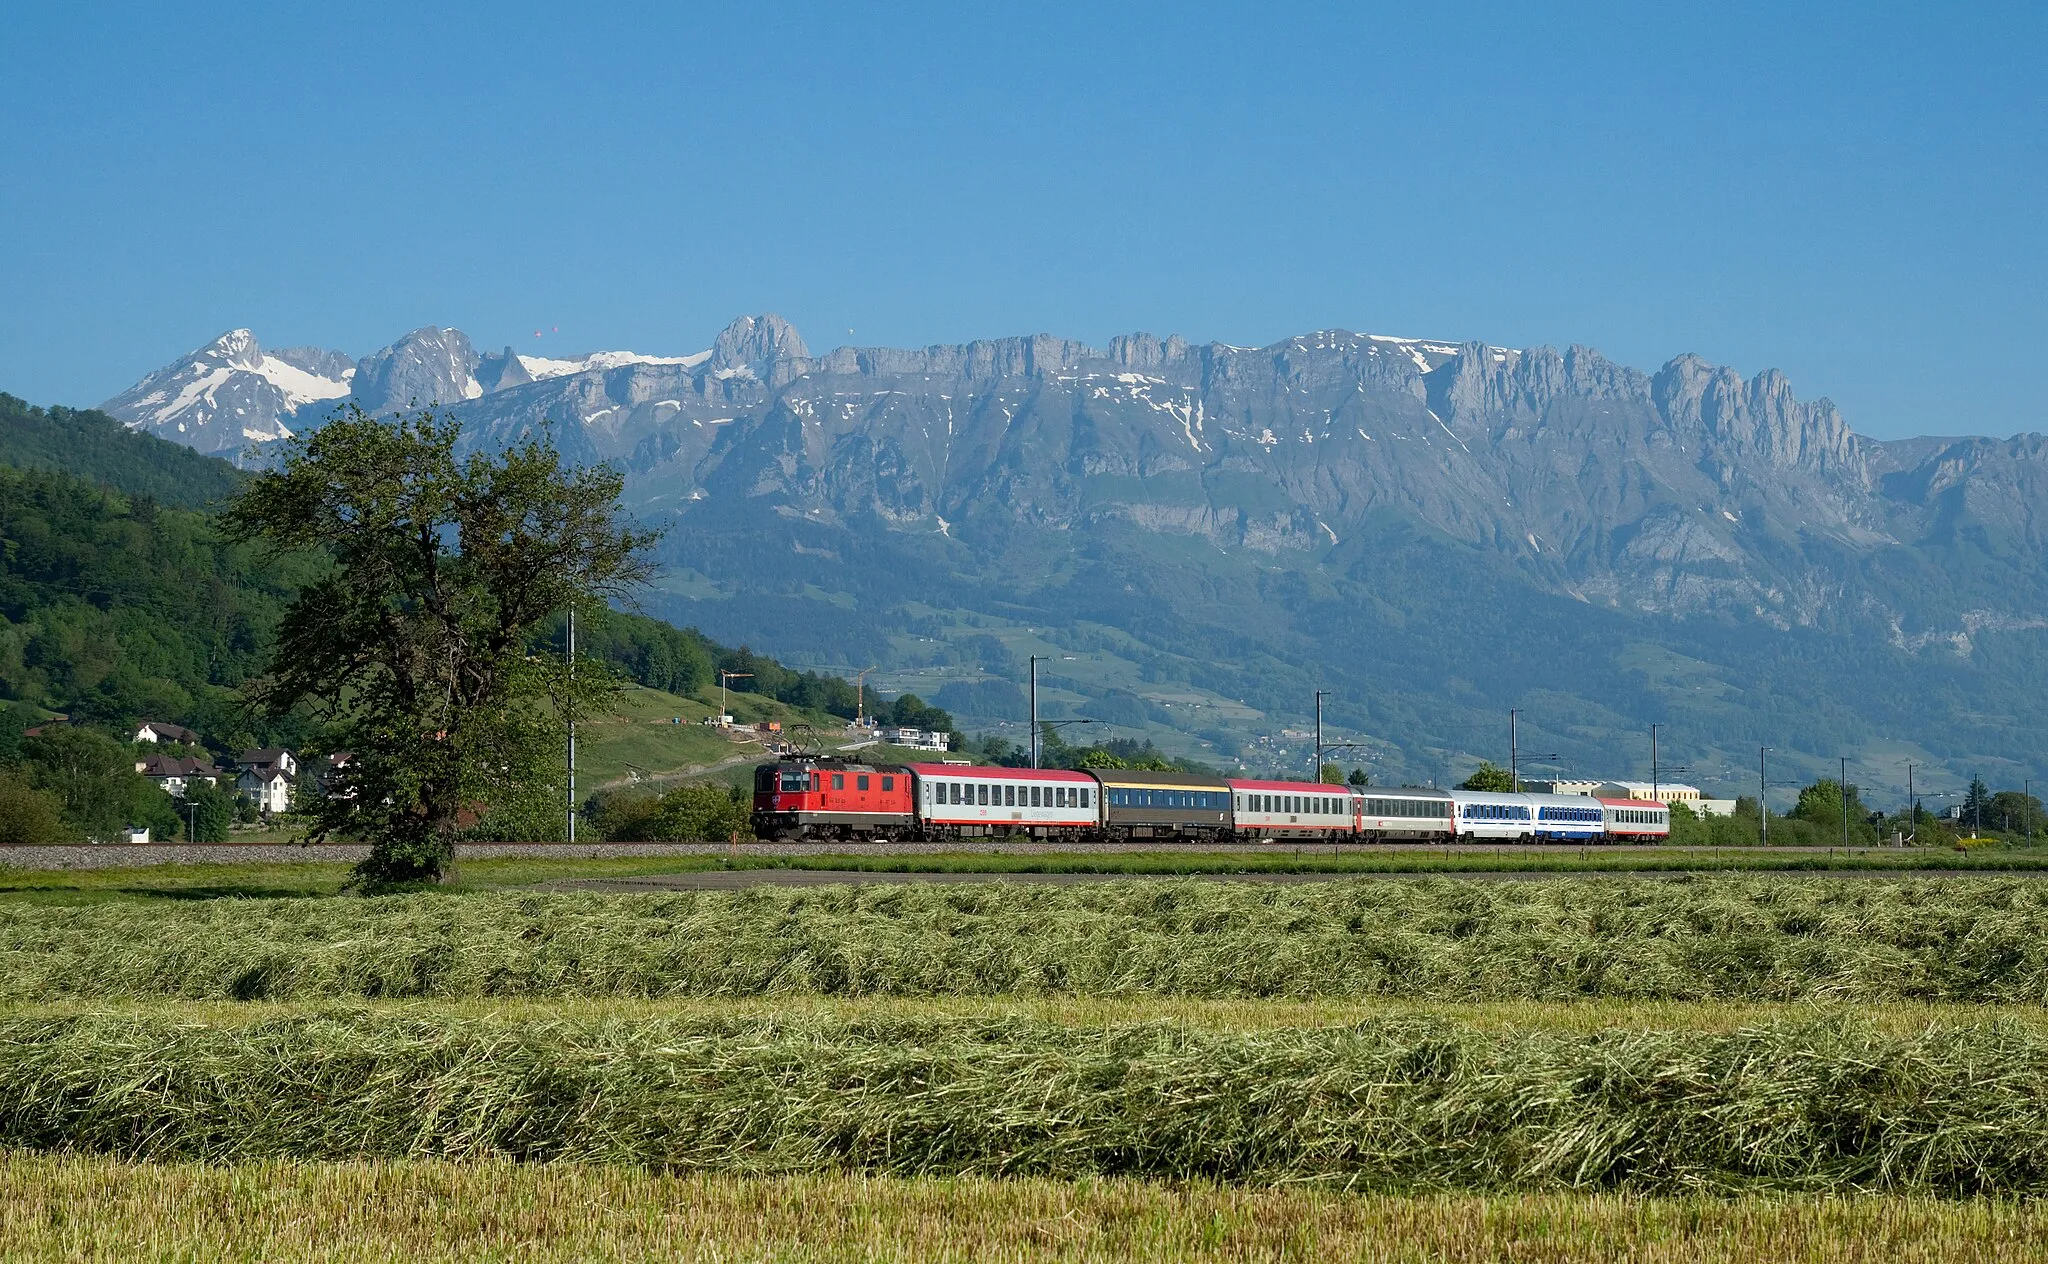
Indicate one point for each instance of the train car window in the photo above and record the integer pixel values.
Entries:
(981, 796)
(1087, 796)
(1034, 798)
(888, 783)
(951, 792)
(839, 781)
(860, 782)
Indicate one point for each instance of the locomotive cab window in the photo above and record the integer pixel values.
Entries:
(839, 781)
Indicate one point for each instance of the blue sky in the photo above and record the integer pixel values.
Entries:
(1853, 194)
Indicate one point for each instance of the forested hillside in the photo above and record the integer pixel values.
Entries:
(117, 606)
(89, 445)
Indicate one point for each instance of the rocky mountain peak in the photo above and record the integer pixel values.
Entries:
(428, 365)
(754, 343)
(1761, 417)
(236, 347)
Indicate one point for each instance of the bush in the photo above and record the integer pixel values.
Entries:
(701, 813)
(28, 815)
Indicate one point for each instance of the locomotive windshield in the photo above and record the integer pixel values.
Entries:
(792, 778)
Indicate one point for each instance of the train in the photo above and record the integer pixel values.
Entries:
(833, 799)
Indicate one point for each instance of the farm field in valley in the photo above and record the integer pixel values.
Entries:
(1574, 1068)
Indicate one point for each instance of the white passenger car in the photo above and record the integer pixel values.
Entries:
(975, 801)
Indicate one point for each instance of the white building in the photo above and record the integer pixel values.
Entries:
(266, 778)
(158, 731)
(916, 739)
(1662, 791)
(1569, 785)
(177, 775)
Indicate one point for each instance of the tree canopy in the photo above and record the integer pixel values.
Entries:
(412, 648)
(1489, 777)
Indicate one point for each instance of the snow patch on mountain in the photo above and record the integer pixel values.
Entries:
(541, 367)
(230, 392)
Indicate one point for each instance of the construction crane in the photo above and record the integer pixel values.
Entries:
(860, 694)
(723, 678)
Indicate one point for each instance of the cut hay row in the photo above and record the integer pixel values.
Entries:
(1231, 1014)
(79, 1208)
(1957, 940)
(1393, 1105)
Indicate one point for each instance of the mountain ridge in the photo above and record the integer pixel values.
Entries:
(1307, 479)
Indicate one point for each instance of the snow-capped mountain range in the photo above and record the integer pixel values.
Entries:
(232, 397)
(1429, 520)
(231, 393)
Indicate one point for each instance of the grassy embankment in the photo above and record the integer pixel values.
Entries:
(655, 738)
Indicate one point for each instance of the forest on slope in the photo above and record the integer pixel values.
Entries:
(121, 601)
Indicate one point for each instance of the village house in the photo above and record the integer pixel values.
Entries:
(158, 731)
(266, 778)
(177, 774)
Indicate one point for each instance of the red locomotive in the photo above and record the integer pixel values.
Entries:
(831, 799)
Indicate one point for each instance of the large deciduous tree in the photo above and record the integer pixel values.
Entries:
(414, 648)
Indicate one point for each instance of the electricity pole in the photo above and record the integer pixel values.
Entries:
(1912, 807)
(1653, 761)
(1763, 803)
(1844, 785)
(572, 724)
(1318, 775)
(1034, 710)
(1514, 755)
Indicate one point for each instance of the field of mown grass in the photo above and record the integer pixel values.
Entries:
(1708, 938)
(1823, 1104)
(89, 1208)
(1701, 1067)
(315, 876)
